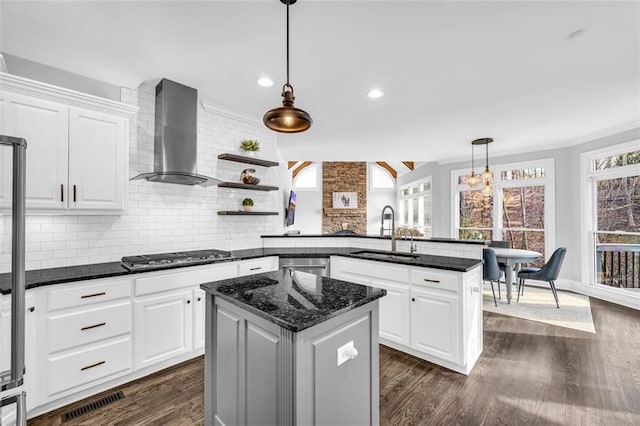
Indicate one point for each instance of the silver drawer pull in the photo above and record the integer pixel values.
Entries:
(305, 266)
(93, 365)
(255, 269)
(432, 281)
(89, 327)
(102, 293)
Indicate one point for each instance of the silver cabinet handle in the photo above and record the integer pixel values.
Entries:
(92, 365)
(256, 269)
(89, 327)
(432, 281)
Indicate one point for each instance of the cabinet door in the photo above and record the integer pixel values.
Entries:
(163, 327)
(97, 160)
(45, 127)
(198, 318)
(435, 327)
(394, 311)
(5, 158)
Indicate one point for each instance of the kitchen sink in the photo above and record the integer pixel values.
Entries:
(390, 255)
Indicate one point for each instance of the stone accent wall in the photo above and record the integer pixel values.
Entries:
(344, 177)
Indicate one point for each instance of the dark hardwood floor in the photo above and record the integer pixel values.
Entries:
(529, 373)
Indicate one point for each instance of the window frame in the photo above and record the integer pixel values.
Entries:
(370, 178)
(308, 188)
(416, 196)
(588, 198)
(548, 182)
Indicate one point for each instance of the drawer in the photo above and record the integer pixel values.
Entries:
(378, 270)
(177, 280)
(435, 279)
(257, 266)
(78, 295)
(88, 326)
(88, 365)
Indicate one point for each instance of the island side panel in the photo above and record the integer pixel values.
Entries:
(252, 373)
(347, 394)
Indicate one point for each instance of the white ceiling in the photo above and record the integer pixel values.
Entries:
(451, 71)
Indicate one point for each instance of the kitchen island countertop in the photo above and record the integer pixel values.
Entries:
(292, 299)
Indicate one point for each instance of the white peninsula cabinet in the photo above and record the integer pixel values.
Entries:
(77, 147)
(433, 314)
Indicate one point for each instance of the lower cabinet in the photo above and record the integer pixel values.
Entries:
(435, 326)
(163, 327)
(429, 313)
(198, 318)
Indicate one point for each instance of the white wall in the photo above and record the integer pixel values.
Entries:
(162, 217)
(376, 200)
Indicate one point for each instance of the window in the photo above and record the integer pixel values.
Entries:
(520, 209)
(612, 200)
(380, 178)
(307, 178)
(415, 206)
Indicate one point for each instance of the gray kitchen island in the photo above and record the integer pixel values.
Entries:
(288, 347)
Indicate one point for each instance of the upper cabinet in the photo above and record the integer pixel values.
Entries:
(77, 147)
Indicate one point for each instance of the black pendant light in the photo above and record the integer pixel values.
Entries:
(287, 118)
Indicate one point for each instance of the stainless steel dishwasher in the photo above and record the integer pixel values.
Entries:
(314, 265)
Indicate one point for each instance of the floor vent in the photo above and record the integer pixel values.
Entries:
(70, 415)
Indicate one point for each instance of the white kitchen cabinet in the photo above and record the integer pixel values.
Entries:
(257, 266)
(430, 313)
(76, 147)
(435, 328)
(199, 296)
(394, 307)
(163, 327)
(45, 126)
(97, 160)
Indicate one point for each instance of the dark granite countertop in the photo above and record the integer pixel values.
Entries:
(295, 300)
(44, 277)
(386, 237)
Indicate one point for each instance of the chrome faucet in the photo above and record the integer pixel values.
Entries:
(391, 216)
(413, 248)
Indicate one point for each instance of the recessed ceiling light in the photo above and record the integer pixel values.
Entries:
(576, 34)
(375, 93)
(265, 82)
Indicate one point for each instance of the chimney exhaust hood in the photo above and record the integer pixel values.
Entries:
(176, 137)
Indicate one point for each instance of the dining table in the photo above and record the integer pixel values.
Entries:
(513, 258)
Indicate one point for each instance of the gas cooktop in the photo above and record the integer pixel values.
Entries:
(151, 261)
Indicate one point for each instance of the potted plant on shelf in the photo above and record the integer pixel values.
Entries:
(250, 147)
(247, 203)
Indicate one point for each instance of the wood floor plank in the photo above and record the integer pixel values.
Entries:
(529, 374)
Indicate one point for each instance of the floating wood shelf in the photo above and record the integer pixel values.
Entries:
(248, 160)
(247, 186)
(243, 213)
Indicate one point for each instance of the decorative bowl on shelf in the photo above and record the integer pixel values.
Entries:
(247, 177)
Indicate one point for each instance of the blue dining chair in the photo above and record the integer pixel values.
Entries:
(490, 270)
(549, 273)
(501, 265)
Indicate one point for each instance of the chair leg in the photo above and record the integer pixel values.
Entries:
(520, 284)
(555, 292)
(498, 284)
(494, 294)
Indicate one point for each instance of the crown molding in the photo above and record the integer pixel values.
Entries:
(24, 86)
(228, 113)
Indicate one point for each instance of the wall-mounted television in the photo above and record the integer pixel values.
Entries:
(291, 209)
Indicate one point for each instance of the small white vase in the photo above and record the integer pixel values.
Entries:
(247, 208)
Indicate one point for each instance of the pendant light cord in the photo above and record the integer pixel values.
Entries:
(486, 150)
(288, 85)
(472, 155)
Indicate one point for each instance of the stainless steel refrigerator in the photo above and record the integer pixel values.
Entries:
(11, 380)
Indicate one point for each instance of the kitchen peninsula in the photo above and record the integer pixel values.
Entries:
(289, 347)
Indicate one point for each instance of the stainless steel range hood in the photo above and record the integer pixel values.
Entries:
(176, 137)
